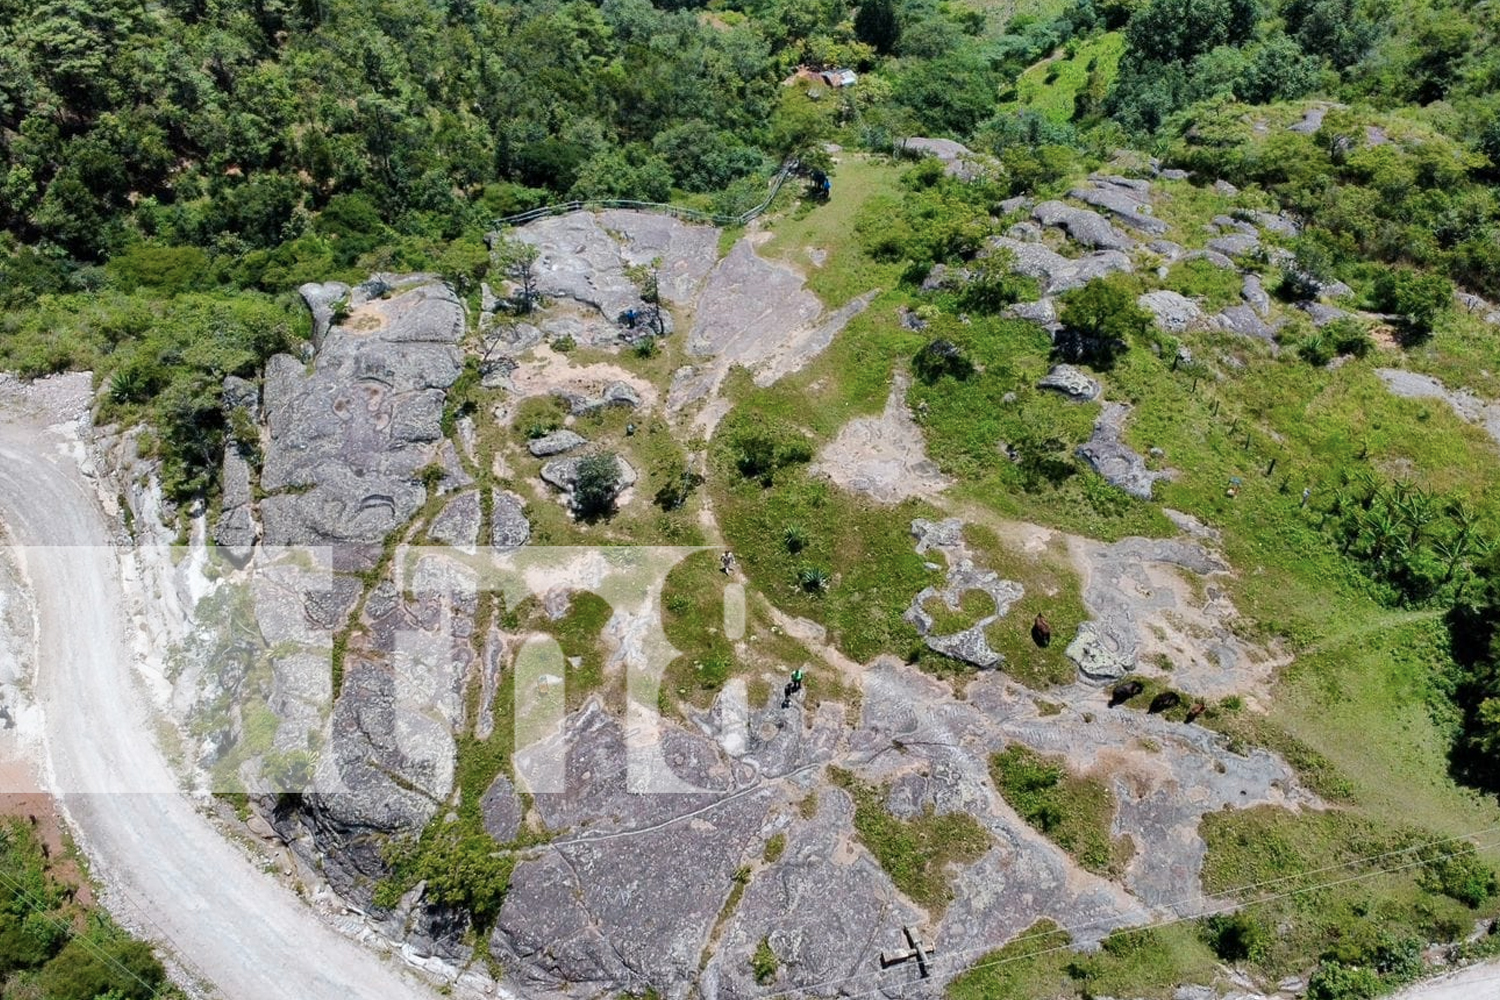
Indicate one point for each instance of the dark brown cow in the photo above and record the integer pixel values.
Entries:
(1164, 701)
(1125, 691)
(1198, 709)
(1041, 632)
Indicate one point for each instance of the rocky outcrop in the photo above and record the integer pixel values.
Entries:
(1085, 227)
(583, 258)
(1128, 200)
(969, 644)
(1057, 273)
(347, 439)
(957, 159)
(322, 299)
(1108, 455)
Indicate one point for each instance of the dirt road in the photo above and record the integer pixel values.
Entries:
(168, 873)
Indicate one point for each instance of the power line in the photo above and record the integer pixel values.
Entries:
(950, 957)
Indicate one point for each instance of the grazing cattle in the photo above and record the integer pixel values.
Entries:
(1041, 631)
(1125, 691)
(1165, 700)
(1198, 709)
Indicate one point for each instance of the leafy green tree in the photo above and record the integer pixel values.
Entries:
(876, 25)
(1101, 320)
(1418, 297)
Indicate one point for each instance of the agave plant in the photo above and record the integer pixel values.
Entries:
(812, 579)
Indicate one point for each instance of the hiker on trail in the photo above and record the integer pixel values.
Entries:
(630, 318)
(792, 687)
(1306, 494)
(726, 563)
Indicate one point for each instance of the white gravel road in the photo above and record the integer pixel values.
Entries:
(168, 872)
(1477, 982)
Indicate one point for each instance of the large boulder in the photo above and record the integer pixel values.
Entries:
(555, 443)
(1071, 382)
(562, 473)
(1088, 228)
(1173, 312)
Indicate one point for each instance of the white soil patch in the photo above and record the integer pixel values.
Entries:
(545, 371)
(883, 457)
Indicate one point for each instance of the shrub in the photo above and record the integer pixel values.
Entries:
(813, 579)
(1417, 297)
(764, 963)
(939, 358)
(1237, 937)
(1461, 876)
(759, 453)
(1316, 350)
(116, 966)
(596, 487)
(675, 492)
(794, 538)
(1349, 336)
(1333, 981)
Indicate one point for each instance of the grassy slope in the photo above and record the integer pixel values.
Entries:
(1050, 86)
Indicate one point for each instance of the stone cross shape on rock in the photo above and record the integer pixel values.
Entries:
(917, 954)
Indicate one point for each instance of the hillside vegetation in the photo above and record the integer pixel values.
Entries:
(172, 172)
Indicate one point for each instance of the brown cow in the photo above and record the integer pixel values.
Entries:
(1198, 709)
(1041, 631)
(1125, 691)
(1164, 701)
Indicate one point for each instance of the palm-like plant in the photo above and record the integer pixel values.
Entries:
(1452, 551)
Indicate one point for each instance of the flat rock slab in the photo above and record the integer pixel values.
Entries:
(1235, 244)
(749, 305)
(883, 457)
(1108, 455)
(555, 443)
(509, 528)
(457, 524)
(1127, 200)
(970, 644)
(1245, 321)
(1468, 406)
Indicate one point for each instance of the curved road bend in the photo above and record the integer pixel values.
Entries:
(205, 898)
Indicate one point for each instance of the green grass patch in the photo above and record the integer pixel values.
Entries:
(915, 853)
(1051, 87)
(1214, 287)
(579, 633)
(692, 602)
(1034, 965)
(1073, 811)
(1341, 883)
